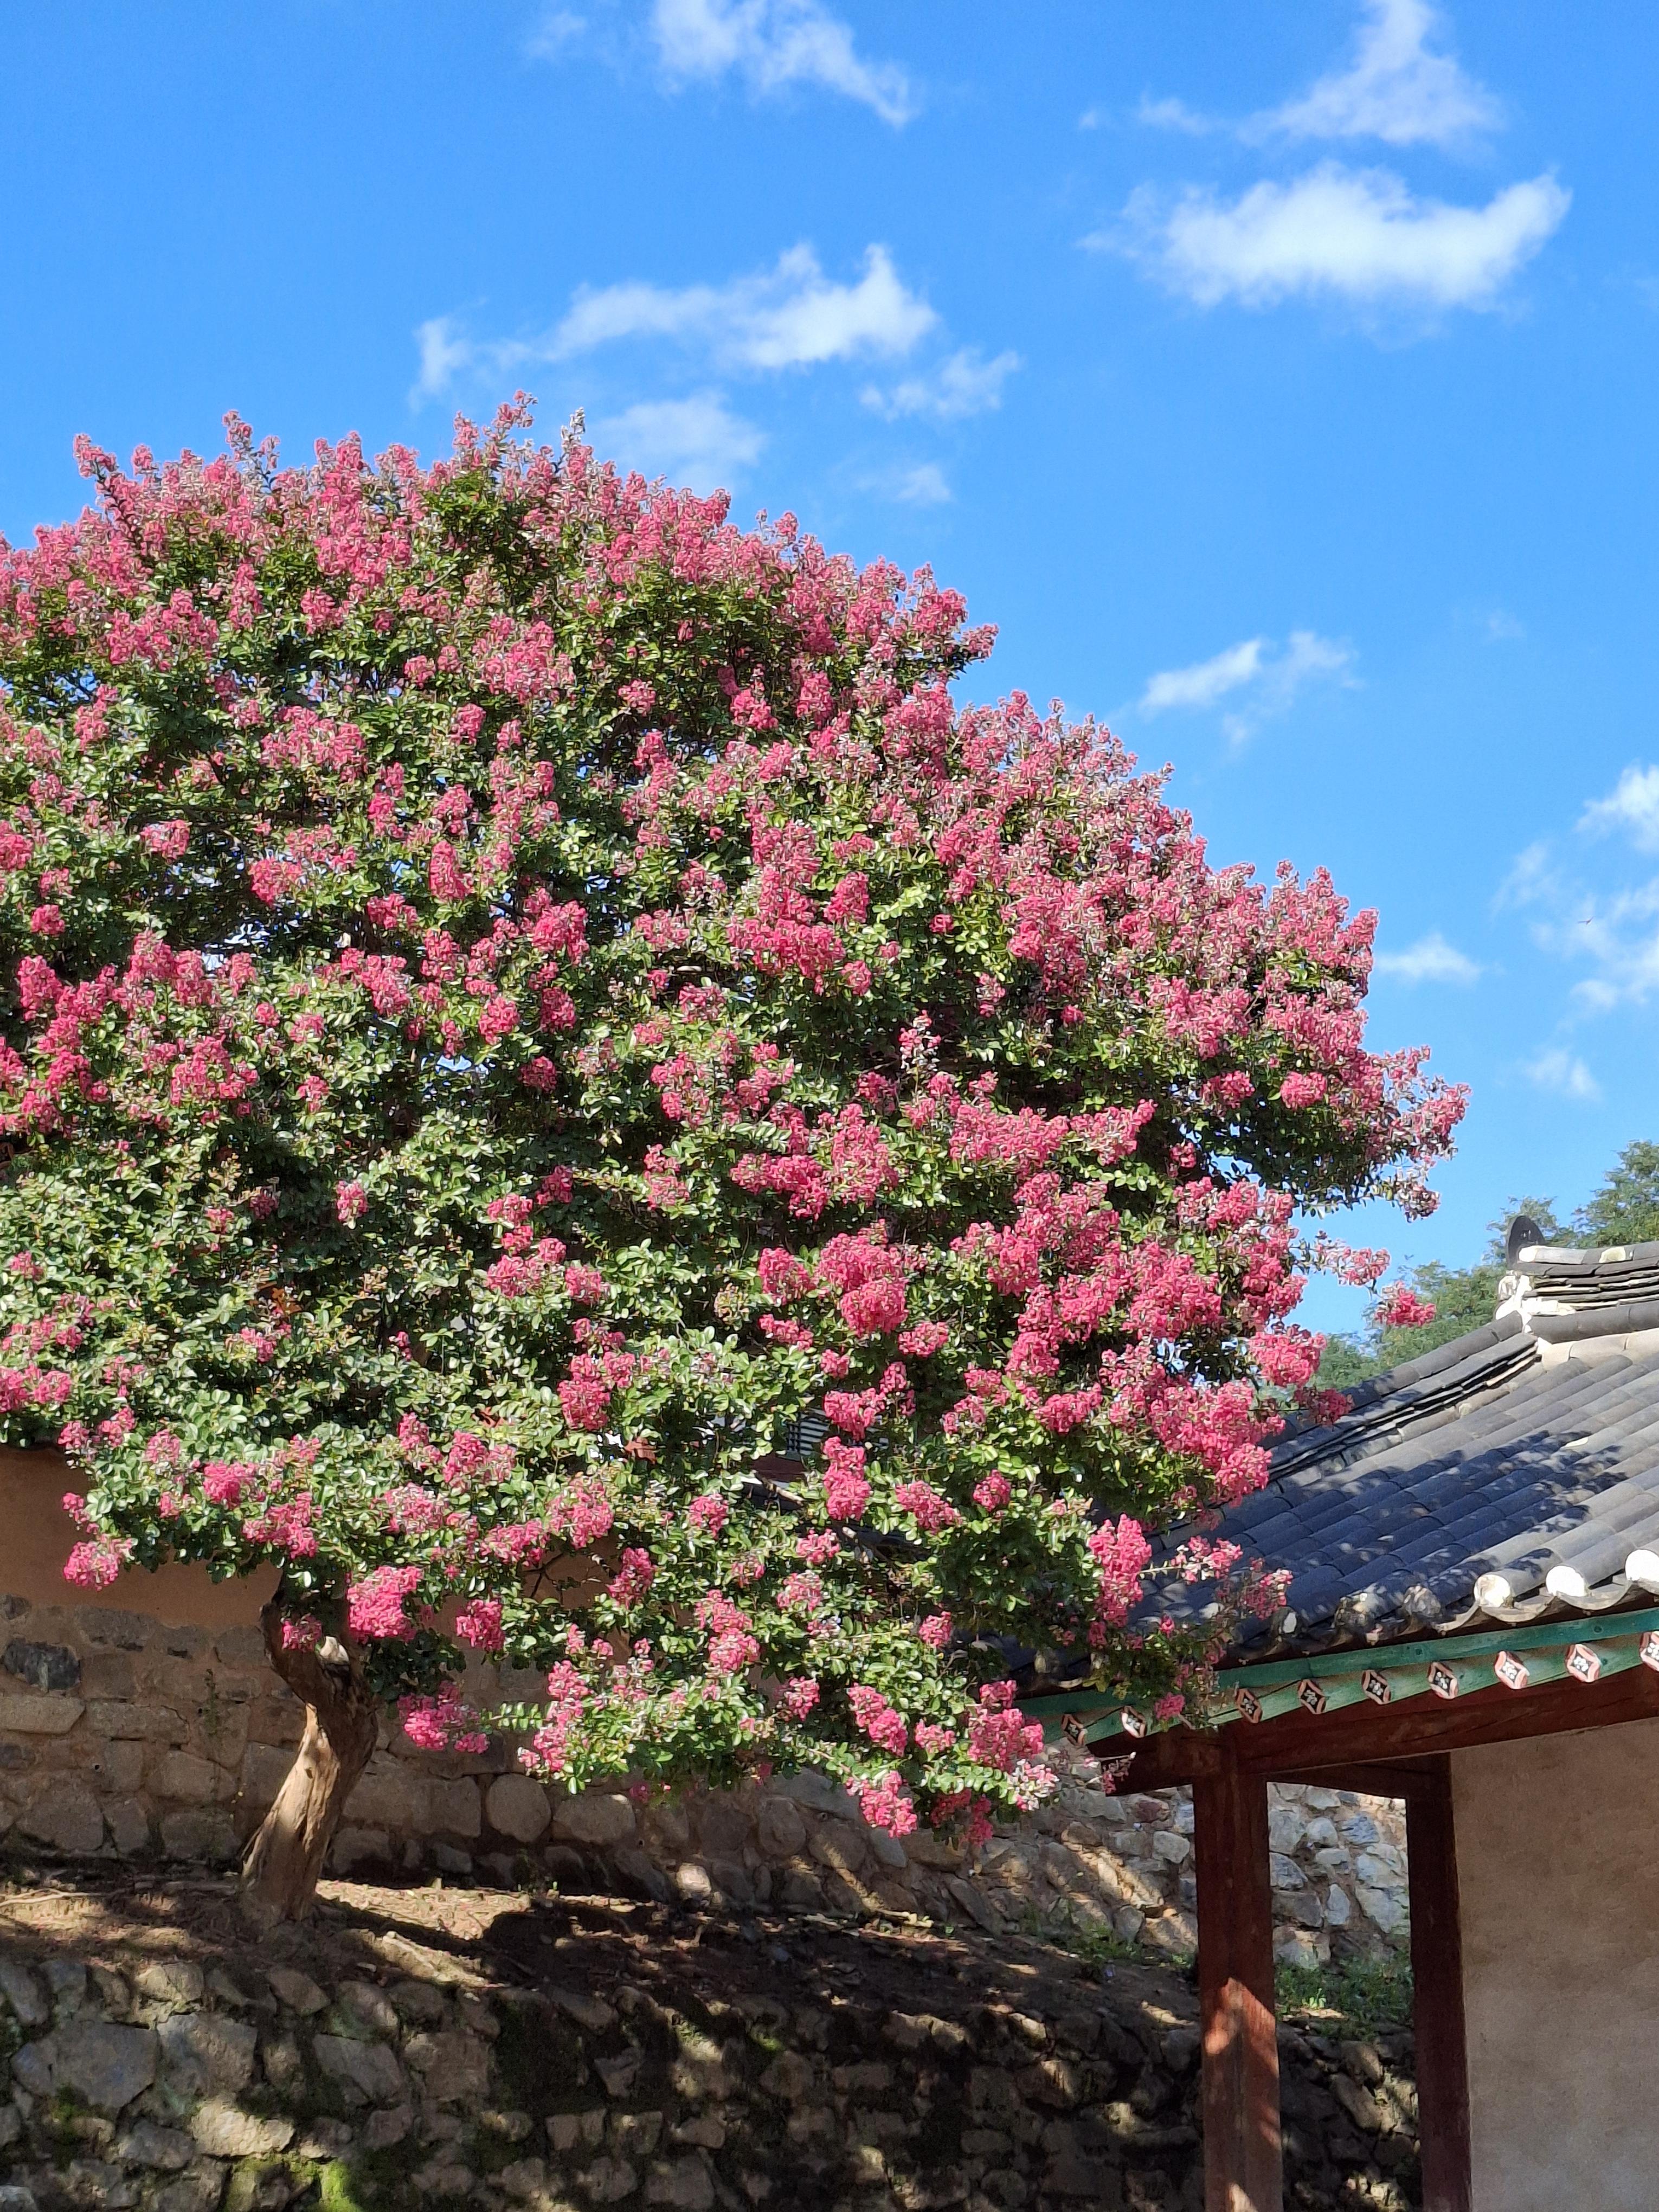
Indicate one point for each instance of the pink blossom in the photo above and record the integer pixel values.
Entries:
(930, 1511)
(935, 1631)
(444, 876)
(926, 1338)
(635, 1578)
(992, 1492)
(95, 1565)
(732, 1647)
(800, 1697)
(782, 1276)
(1297, 1090)
(480, 1625)
(374, 1606)
(1121, 1551)
(498, 1019)
(846, 1488)
(224, 1482)
(1401, 1308)
(443, 1723)
(708, 1514)
(350, 1202)
(587, 1513)
(998, 1736)
(887, 1804)
(878, 1720)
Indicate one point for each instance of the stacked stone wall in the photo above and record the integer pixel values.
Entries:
(125, 1737)
(426, 2049)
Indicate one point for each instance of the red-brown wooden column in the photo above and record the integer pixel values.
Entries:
(1243, 2170)
(1443, 2072)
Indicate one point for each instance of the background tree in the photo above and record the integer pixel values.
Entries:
(1463, 1298)
(516, 990)
(1625, 1209)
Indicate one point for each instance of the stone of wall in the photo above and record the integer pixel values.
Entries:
(156, 2057)
(124, 1736)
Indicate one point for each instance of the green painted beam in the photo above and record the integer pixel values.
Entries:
(1404, 1665)
(1541, 1647)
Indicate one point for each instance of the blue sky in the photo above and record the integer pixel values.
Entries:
(1279, 380)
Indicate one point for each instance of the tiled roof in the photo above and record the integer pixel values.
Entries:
(1512, 1475)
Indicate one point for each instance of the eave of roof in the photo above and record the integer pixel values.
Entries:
(1508, 1479)
(1539, 1653)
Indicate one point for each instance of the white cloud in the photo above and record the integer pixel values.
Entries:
(792, 316)
(923, 485)
(1174, 115)
(1206, 680)
(1632, 805)
(962, 384)
(443, 353)
(1267, 682)
(1359, 234)
(1502, 628)
(557, 30)
(773, 44)
(697, 441)
(1532, 878)
(1431, 960)
(1394, 89)
(783, 318)
(1611, 932)
(1565, 1074)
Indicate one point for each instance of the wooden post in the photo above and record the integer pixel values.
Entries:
(1442, 2071)
(1243, 2170)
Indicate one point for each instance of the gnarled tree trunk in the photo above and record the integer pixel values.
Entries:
(285, 1857)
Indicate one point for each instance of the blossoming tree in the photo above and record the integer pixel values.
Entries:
(515, 993)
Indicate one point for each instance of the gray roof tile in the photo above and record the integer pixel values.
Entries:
(1494, 1455)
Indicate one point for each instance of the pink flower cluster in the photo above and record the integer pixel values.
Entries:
(887, 1804)
(1400, 1307)
(846, 1486)
(374, 1606)
(1122, 1552)
(732, 1645)
(879, 1721)
(479, 1624)
(443, 1723)
(708, 1514)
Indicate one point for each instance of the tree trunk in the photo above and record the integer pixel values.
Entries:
(285, 1857)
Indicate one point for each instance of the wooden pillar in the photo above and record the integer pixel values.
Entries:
(1443, 2072)
(1243, 2170)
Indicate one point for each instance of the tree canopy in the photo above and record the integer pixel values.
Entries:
(517, 992)
(1624, 1209)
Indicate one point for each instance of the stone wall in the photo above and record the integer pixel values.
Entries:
(124, 1736)
(442, 2049)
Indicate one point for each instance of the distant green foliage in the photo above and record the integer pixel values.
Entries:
(1463, 1297)
(1625, 1209)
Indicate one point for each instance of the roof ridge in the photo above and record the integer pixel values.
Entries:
(1592, 1255)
